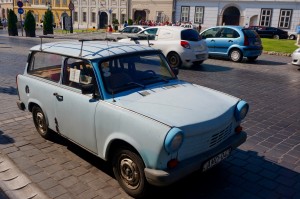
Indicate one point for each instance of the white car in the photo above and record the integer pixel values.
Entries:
(123, 103)
(132, 29)
(181, 46)
(296, 57)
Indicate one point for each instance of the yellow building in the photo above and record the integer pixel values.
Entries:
(39, 7)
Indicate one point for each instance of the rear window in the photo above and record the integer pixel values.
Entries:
(190, 35)
(250, 33)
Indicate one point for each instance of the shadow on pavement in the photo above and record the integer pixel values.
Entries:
(9, 90)
(207, 68)
(267, 63)
(4, 139)
(244, 174)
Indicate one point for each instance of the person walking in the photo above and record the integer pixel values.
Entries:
(199, 28)
(125, 24)
(109, 29)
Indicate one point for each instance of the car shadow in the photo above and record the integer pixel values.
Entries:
(267, 62)
(207, 68)
(244, 174)
(8, 90)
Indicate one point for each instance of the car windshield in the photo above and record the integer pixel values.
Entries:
(190, 35)
(133, 71)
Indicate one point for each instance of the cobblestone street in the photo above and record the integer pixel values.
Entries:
(266, 166)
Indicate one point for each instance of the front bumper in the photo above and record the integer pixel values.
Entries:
(186, 167)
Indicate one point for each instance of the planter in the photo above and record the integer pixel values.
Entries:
(30, 33)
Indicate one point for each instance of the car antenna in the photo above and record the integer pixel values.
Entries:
(81, 40)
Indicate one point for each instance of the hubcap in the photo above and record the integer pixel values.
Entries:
(235, 55)
(129, 172)
(40, 121)
(173, 60)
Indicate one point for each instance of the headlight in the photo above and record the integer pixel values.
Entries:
(241, 110)
(173, 140)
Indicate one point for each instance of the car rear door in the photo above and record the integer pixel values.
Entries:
(225, 38)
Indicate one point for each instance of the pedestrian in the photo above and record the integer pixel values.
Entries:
(199, 28)
(4, 23)
(109, 29)
(125, 24)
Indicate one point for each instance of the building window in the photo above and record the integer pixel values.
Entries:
(114, 16)
(75, 16)
(84, 17)
(184, 16)
(57, 3)
(64, 3)
(199, 13)
(285, 18)
(36, 2)
(160, 16)
(265, 17)
(93, 17)
(123, 16)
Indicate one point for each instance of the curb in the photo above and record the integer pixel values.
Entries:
(15, 184)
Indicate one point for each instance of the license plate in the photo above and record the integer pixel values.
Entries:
(216, 160)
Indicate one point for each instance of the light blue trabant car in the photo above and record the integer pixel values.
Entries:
(123, 103)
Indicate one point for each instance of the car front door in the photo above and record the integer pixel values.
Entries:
(210, 38)
(75, 111)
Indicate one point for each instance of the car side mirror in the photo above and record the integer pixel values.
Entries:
(88, 89)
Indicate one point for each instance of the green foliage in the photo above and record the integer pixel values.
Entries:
(29, 24)
(12, 23)
(115, 21)
(279, 45)
(48, 22)
(130, 22)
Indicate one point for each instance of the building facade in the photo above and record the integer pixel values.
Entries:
(284, 14)
(5, 6)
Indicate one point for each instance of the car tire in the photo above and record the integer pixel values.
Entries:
(128, 169)
(174, 60)
(252, 59)
(276, 37)
(40, 122)
(292, 37)
(236, 55)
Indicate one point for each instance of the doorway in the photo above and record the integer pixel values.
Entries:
(231, 16)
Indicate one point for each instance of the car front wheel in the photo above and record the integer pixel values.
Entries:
(236, 55)
(128, 169)
(292, 37)
(40, 123)
(276, 37)
(174, 60)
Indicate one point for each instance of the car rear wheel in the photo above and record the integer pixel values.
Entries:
(236, 55)
(40, 122)
(251, 59)
(174, 60)
(128, 169)
(276, 37)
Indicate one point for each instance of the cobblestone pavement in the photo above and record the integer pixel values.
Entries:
(266, 166)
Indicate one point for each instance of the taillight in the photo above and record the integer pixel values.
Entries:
(246, 41)
(185, 44)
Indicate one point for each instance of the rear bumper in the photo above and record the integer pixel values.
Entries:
(186, 167)
(251, 52)
(21, 105)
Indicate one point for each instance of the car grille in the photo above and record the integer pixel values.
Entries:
(200, 143)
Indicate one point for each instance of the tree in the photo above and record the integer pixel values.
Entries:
(48, 22)
(115, 24)
(29, 24)
(130, 21)
(12, 23)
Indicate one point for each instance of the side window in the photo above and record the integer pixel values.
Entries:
(78, 72)
(45, 65)
(210, 33)
(229, 33)
(151, 32)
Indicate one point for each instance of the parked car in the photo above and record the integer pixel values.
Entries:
(296, 57)
(234, 42)
(132, 29)
(181, 46)
(123, 103)
(292, 35)
(270, 32)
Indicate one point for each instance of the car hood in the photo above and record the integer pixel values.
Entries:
(181, 105)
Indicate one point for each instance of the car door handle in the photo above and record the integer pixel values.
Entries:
(230, 41)
(58, 97)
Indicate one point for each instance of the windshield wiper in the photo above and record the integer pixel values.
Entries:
(156, 77)
(135, 83)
